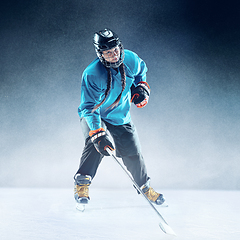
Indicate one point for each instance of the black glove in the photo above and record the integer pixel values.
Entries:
(101, 141)
(140, 94)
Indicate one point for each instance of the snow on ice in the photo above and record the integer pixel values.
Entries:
(50, 214)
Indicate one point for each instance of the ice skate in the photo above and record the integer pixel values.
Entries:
(81, 190)
(152, 195)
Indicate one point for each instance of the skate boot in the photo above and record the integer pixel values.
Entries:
(153, 196)
(81, 191)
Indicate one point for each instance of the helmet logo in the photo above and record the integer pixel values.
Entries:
(107, 33)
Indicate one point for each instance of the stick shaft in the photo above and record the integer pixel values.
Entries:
(135, 184)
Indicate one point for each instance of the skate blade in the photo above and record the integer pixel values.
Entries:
(163, 205)
(80, 207)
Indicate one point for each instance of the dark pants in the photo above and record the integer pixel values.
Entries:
(127, 147)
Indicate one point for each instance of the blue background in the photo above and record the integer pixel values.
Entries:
(189, 131)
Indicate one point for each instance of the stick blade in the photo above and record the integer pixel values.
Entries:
(167, 229)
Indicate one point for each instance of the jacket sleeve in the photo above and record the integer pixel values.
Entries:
(91, 94)
(138, 68)
(141, 75)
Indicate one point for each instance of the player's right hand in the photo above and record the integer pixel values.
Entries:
(101, 141)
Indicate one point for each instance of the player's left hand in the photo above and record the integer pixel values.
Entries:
(143, 103)
(140, 94)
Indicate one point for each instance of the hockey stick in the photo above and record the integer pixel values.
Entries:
(163, 224)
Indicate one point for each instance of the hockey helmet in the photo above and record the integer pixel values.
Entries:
(104, 40)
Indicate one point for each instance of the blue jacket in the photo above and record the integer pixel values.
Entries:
(93, 87)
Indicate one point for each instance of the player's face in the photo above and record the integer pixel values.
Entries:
(112, 55)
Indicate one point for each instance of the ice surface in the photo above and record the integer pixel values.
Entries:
(117, 214)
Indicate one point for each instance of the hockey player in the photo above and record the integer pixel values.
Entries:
(114, 80)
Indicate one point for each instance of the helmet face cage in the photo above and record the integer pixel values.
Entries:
(105, 40)
(111, 64)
